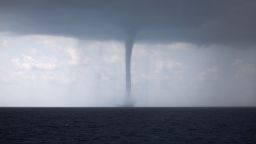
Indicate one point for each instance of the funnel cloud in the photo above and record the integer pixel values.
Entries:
(128, 55)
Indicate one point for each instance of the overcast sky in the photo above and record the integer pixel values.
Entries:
(71, 53)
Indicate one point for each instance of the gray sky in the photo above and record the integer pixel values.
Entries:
(71, 53)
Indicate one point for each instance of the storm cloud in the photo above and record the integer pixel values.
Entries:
(196, 21)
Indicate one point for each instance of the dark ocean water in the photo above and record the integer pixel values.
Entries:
(128, 125)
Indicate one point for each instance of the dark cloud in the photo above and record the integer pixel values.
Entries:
(195, 21)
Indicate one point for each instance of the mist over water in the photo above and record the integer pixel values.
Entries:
(92, 73)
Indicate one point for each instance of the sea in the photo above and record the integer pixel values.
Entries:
(128, 125)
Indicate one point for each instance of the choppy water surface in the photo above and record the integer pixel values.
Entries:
(128, 125)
